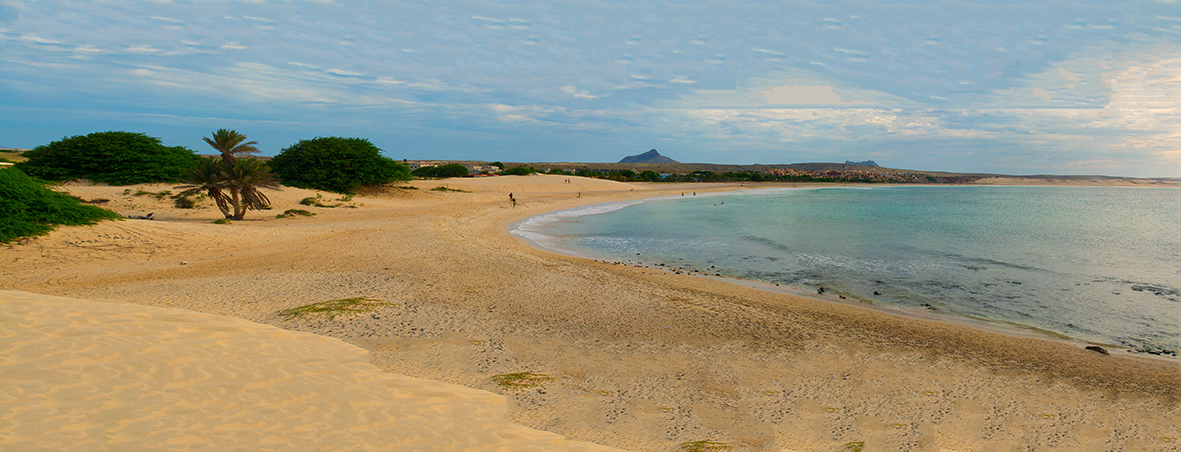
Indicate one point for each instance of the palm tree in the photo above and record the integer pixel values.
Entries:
(207, 178)
(244, 180)
(230, 144)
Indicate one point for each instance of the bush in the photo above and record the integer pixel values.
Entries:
(289, 213)
(518, 171)
(336, 164)
(28, 208)
(448, 170)
(185, 202)
(116, 158)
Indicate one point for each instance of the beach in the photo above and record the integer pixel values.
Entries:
(631, 357)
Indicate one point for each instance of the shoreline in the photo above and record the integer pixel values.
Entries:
(983, 324)
(640, 359)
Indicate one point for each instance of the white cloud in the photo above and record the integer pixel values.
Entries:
(143, 48)
(682, 80)
(344, 73)
(33, 38)
(233, 46)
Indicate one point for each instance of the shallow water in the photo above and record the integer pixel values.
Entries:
(1094, 263)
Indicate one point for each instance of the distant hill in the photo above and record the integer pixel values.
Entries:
(865, 163)
(648, 157)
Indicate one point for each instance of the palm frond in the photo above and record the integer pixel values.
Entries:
(231, 143)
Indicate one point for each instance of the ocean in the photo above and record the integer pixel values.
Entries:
(1098, 264)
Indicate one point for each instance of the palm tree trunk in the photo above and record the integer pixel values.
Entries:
(239, 212)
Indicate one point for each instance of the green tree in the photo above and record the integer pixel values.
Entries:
(649, 175)
(231, 182)
(448, 170)
(336, 164)
(116, 158)
(28, 208)
(518, 171)
(206, 177)
(230, 144)
(244, 180)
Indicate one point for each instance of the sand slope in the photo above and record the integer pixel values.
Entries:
(87, 375)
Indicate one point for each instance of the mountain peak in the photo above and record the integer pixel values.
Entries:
(648, 157)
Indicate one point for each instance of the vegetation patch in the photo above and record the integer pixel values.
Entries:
(520, 380)
(95, 201)
(354, 162)
(116, 158)
(406, 187)
(333, 308)
(222, 221)
(441, 171)
(318, 201)
(154, 194)
(28, 208)
(703, 446)
(11, 156)
(518, 171)
(854, 446)
(444, 188)
(184, 202)
(290, 213)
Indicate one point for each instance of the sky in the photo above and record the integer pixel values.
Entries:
(1059, 87)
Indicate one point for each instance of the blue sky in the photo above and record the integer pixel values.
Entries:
(1074, 87)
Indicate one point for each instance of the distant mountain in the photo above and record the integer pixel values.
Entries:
(865, 163)
(648, 157)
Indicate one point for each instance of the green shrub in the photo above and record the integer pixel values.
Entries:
(336, 164)
(333, 308)
(185, 202)
(116, 158)
(448, 170)
(521, 380)
(28, 208)
(446, 189)
(289, 213)
(518, 171)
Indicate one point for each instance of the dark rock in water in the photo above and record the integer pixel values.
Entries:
(876, 293)
(1098, 349)
(928, 306)
(820, 290)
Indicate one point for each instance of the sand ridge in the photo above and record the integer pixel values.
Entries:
(640, 358)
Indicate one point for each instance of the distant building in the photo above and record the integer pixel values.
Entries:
(421, 164)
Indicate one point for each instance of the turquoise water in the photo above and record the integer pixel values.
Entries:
(1093, 263)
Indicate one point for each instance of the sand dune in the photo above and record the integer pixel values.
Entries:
(87, 375)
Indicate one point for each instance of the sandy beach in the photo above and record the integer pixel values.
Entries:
(631, 358)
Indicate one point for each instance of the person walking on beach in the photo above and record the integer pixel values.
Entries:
(512, 200)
